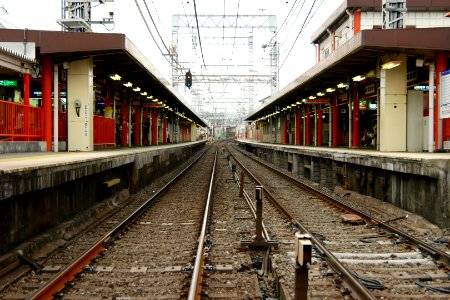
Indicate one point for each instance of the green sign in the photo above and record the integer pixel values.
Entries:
(8, 83)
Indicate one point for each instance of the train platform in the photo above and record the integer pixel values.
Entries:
(25, 161)
(367, 151)
(417, 182)
(32, 171)
(41, 190)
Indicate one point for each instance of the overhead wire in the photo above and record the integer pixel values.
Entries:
(297, 17)
(198, 31)
(156, 27)
(280, 29)
(314, 12)
(160, 21)
(284, 22)
(235, 27)
(151, 33)
(148, 29)
(298, 35)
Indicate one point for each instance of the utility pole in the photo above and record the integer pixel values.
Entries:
(393, 13)
(76, 15)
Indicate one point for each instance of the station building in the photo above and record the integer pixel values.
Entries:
(75, 93)
(371, 84)
(372, 115)
(80, 91)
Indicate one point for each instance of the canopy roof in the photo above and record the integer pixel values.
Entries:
(358, 56)
(112, 53)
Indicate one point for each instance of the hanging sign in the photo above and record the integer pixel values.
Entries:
(152, 105)
(8, 83)
(317, 101)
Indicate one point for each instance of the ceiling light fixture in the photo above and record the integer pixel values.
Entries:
(115, 77)
(391, 64)
(358, 78)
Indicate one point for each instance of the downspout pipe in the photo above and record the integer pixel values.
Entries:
(350, 19)
(55, 107)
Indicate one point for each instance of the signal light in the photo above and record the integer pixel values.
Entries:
(188, 81)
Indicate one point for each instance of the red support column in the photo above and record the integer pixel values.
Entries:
(155, 127)
(108, 96)
(259, 132)
(164, 130)
(125, 121)
(47, 99)
(356, 21)
(441, 65)
(285, 128)
(182, 132)
(319, 125)
(190, 132)
(308, 127)
(108, 101)
(137, 126)
(334, 137)
(298, 127)
(356, 139)
(26, 102)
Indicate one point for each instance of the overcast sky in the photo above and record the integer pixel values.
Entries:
(293, 60)
(42, 14)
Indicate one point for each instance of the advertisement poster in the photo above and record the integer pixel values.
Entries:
(445, 95)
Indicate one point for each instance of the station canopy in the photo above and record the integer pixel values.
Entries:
(112, 53)
(358, 56)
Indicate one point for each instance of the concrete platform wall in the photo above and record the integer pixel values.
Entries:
(20, 147)
(35, 200)
(421, 186)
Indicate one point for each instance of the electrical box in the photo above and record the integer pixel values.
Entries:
(303, 248)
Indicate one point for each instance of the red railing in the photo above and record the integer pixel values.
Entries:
(14, 118)
(103, 131)
(13, 122)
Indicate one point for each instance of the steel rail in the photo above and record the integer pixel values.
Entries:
(437, 254)
(358, 290)
(197, 273)
(57, 283)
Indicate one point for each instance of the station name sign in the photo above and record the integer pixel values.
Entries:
(8, 83)
(317, 101)
(152, 105)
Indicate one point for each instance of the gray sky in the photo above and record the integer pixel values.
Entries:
(42, 14)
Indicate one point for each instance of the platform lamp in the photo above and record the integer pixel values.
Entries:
(419, 62)
(391, 64)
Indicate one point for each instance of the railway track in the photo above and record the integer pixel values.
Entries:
(177, 249)
(367, 259)
(154, 254)
(151, 252)
(23, 282)
(230, 272)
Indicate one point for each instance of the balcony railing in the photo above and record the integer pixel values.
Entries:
(20, 122)
(103, 131)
